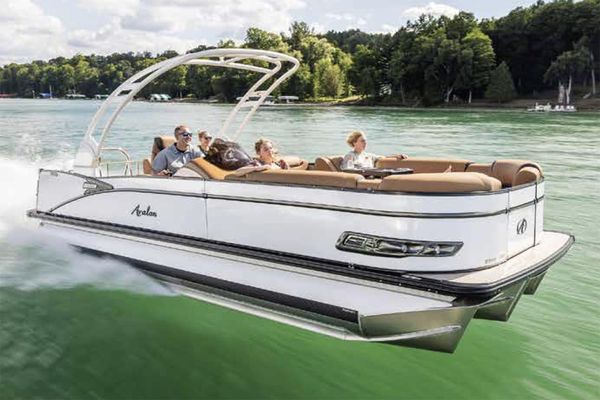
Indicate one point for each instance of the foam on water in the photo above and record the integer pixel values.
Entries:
(31, 259)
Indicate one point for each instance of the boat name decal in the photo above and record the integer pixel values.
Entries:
(521, 226)
(147, 212)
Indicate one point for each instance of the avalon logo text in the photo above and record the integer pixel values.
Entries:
(141, 213)
(521, 226)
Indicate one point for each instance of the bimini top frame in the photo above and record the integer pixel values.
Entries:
(88, 155)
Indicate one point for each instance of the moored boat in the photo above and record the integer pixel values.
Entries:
(408, 254)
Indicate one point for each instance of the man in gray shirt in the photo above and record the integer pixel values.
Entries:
(171, 158)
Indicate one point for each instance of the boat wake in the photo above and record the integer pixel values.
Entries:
(31, 259)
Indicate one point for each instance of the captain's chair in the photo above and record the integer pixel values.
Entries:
(160, 143)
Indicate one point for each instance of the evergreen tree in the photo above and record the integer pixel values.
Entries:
(501, 88)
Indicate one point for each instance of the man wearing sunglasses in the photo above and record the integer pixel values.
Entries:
(171, 158)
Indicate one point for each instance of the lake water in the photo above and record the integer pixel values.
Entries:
(75, 327)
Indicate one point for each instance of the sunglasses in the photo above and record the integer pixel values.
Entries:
(207, 137)
(186, 134)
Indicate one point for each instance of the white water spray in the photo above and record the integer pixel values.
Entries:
(31, 259)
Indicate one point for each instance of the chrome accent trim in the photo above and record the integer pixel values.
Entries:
(381, 246)
(92, 186)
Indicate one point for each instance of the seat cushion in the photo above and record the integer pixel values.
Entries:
(300, 177)
(483, 168)
(295, 162)
(207, 169)
(457, 182)
(369, 184)
(507, 171)
(147, 166)
(160, 143)
(329, 163)
(423, 164)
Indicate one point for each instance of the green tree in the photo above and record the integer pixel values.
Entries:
(501, 88)
(328, 79)
(364, 72)
(477, 59)
(299, 31)
(259, 39)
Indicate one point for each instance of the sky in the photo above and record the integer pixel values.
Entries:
(43, 29)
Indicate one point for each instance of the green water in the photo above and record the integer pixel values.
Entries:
(78, 327)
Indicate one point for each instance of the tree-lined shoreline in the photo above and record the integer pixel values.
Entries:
(529, 53)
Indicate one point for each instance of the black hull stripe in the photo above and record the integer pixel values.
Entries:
(397, 278)
(299, 303)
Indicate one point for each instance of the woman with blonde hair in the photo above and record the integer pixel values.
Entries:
(358, 158)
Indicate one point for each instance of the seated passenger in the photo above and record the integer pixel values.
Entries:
(266, 159)
(358, 158)
(204, 138)
(170, 159)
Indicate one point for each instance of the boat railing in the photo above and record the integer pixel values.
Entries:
(121, 168)
(126, 166)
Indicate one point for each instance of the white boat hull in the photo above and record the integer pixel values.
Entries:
(329, 303)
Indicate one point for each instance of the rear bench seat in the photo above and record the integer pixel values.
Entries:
(428, 182)
(300, 177)
(440, 183)
(510, 172)
(424, 164)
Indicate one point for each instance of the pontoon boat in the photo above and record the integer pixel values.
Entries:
(406, 258)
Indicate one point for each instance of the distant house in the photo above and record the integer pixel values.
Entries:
(159, 97)
(288, 99)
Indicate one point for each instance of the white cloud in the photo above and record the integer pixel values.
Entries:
(385, 28)
(348, 18)
(432, 8)
(111, 7)
(318, 28)
(134, 25)
(181, 15)
(112, 38)
(28, 33)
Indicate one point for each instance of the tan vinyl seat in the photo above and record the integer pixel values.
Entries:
(160, 143)
(481, 168)
(516, 172)
(329, 163)
(422, 165)
(369, 184)
(510, 172)
(464, 182)
(300, 177)
(207, 169)
(296, 162)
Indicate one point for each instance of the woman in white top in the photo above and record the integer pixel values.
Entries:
(358, 158)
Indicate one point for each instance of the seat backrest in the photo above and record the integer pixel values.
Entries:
(300, 177)
(207, 169)
(424, 164)
(516, 172)
(295, 162)
(329, 163)
(464, 182)
(160, 143)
